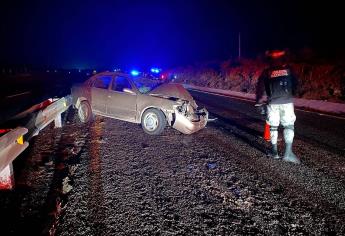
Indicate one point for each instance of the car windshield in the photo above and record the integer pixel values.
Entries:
(145, 85)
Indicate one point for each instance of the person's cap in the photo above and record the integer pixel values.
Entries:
(275, 53)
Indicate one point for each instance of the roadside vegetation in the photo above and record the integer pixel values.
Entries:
(318, 80)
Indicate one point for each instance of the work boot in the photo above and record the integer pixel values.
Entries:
(289, 156)
(274, 152)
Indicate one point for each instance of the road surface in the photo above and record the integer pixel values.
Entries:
(110, 178)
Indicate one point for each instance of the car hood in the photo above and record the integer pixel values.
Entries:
(172, 90)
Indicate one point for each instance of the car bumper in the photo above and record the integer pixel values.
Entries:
(186, 126)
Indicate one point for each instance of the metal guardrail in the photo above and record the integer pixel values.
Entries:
(52, 113)
(12, 143)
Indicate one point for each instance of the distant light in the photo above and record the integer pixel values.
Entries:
(275, 53)
(47, 71)
(69, 72)
(155, 70)
(162, 76)
(94, 71)
(55, 71)
(175, 76)
(87, 73)
(79, 70)
(135, 72)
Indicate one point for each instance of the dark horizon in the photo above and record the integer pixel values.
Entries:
(138, 34)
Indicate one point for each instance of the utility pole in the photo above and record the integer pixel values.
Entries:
(239, 45)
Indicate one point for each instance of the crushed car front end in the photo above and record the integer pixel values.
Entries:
(188, 118)
(180, 109)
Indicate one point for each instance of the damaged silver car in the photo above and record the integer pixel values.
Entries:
(146, 101)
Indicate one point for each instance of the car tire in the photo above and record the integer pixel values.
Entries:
(153, 121)
(85, 112)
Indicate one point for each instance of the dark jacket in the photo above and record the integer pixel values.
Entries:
(279, 83)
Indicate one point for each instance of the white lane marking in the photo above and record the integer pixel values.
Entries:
(321, 114)
(248, 100)
(222, 95)
(18, 94)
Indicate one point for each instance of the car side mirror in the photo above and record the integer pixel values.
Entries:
(130, 91)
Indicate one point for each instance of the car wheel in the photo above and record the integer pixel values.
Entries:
(85, 112)
(153, 121)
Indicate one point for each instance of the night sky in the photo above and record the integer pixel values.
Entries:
(83, 34)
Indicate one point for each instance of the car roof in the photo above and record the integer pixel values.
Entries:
(112, 74)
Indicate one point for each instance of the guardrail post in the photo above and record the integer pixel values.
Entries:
(52, 113)
(7, 178)
(57, 121)
(11, 145)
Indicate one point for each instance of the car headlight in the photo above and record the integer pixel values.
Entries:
(182, 108)
(187, 110)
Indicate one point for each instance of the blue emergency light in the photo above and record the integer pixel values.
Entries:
(155, 70)
(135, 72)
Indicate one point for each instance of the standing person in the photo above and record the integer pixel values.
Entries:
(280, 85)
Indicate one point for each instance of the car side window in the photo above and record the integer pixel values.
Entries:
(120, 83)
(102, 82)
